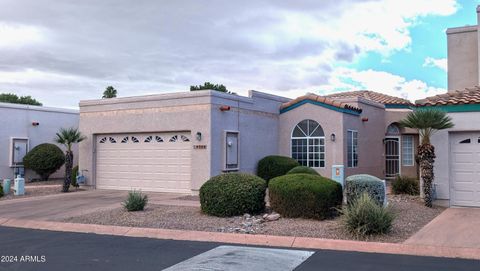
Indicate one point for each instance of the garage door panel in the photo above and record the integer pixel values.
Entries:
(465, 168)
(161, 165)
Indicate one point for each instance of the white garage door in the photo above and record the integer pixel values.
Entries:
(150, 162)
(465, 168)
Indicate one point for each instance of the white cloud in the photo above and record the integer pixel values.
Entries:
(387, 83)
(284, 47)
(440, 63)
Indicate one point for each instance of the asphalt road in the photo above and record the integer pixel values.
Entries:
(25, 249)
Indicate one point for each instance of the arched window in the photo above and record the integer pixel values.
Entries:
(308, 144)
(393, 129)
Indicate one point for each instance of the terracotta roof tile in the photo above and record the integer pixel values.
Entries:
(465, 96)
(321, 99)
(372, 96)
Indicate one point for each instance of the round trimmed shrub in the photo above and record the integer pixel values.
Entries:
(356, 185)
(305, 195)
(406, 185)
(135, 201)
(44, 159)
(233, 194)
(275, 165)
(303, 169)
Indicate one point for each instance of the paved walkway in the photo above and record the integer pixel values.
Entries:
(60, 206)
(455, 227)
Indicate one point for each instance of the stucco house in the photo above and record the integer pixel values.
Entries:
(174, 142)
(457, 167)
(25, 126)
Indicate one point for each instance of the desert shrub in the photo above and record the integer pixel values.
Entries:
(44, 159)
(365, 217)
(135, 201)
(305, 195)
(74, 176)
(274, 165)
(356, 185)
(406, 185)
(233, 194)
(303, 169)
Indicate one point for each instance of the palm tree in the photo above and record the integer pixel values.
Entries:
(427, 121)
(110, 92)
(68, 137)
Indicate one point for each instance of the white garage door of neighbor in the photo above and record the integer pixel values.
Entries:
(465, 169)
(150, 162)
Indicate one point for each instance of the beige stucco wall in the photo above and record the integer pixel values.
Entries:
(370, 139)
(463, 57)
(331, 122)
(160, 113)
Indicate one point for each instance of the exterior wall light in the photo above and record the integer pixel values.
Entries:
(332, 137)
(35, 123)
(364, 119)
(199, 136)
(224, 108)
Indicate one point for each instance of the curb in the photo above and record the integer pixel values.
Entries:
(245, 239)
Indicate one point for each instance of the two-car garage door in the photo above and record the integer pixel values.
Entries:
(150, 162)
(465, 169)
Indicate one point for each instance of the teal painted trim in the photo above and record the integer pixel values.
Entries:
(331, 107)
(455, 107)
(398, 106)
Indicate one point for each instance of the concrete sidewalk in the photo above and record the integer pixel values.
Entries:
(260, 240)
(455, 227)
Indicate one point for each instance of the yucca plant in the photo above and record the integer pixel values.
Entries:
(427, 121)
(68, 137)
(135, 201)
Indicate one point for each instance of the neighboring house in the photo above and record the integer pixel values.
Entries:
(174, 142)
(25, 126)
(457, 166)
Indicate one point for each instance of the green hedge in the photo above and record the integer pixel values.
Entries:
(1, 190)
(406, 185)
(274, 165)
(44, 159)
(303, 169)
(233, 194)
(356, 185)
(305, 195)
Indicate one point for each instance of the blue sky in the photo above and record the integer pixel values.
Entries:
(61, 52)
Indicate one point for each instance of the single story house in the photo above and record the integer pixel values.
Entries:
(25, 126)
(174, 142)
(457, 167)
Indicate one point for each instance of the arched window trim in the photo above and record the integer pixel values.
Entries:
(393, 126)
(308, 139)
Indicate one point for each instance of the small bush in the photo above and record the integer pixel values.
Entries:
(406, 185)
(44, 159)
(233, 194)
(356, 185)
(274, 165)
(74, 177)
(135, 201)
(365, 217)
(303, 169)
(1, 190)
(305, 195)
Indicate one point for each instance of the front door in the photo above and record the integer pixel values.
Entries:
(392, 157)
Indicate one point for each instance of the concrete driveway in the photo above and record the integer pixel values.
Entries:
(60, 206)
(455, 227)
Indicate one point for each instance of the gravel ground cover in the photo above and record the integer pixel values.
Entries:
(411, 216)
(32, 191)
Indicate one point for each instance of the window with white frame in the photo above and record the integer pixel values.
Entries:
(407, 150)
(308, 144)
(352, 148)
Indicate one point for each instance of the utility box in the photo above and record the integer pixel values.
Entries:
(19, 186)
(6, 186)
(338, 174)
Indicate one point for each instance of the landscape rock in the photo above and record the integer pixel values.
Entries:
(272, 217)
